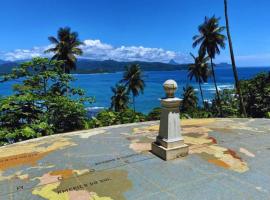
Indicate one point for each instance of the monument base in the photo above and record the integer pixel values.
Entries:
(169, 153)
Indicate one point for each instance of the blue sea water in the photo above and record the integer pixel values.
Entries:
(99, 85)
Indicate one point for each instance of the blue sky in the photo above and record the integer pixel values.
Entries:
(152, 30)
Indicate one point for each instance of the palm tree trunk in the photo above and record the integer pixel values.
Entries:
(237, 84)
(201, 94)
(133, 102)
(217, 93)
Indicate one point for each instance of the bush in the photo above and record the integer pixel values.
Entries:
(256, 95)
(43, 104)
(154, 114)
(65, 114)
(108, 118)
(229, 104)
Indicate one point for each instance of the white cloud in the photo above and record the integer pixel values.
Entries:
(97, 50)
(23, 54)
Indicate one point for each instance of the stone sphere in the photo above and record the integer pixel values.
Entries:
(170, 86)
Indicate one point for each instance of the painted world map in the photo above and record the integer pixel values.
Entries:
(115, 163)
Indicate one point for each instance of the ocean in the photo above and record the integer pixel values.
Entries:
(99, 85)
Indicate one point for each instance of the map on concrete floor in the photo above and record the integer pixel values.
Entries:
(228, 159)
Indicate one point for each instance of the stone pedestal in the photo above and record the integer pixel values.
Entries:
(169, 143)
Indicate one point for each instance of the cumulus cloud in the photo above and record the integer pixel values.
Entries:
(97, 50)
(24, 54)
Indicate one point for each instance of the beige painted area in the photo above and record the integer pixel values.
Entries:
(196, 135)
(56, 185)
(29, 153)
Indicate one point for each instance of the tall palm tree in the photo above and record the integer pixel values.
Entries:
(211, 40)
(132, 78)
(199, 70)
(120, 98)
(67, 46)
(237, 84)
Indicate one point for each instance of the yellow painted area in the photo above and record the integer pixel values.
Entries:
(96, 197)
(148, 129)
(196, 135)
(219, 155)
(185, 122)
(47, 192)
(36, 146)
(29, 153)
(196, 141)
(80, 172)
(197, 122)
(58, 185)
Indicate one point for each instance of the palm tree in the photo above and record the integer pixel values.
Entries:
(132, 78)
(190, 100)
(67, 46)
(199, 70)
(211, 40)
(120, 98)
(237, 84)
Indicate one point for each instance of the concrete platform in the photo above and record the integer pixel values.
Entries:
(228, 159)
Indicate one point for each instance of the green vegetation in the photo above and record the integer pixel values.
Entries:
(45, 103)
(120, 98)
(190, 100)
(66, 47)
(210, 40)
(256, 95)
(199, 70)
(109, 117)
(132, 78)
(40, 105)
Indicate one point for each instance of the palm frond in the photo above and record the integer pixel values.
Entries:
(53, 40)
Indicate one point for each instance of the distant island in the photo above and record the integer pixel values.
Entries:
(87, 66)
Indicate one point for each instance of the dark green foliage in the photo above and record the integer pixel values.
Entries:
(211, 40)
(40, 104)
(120, 98)
(133, 80)
(154, 114)
(108, 118)
(190, 100)
(104, 118)
(129, 116)
(256, 95)
(65, 114)
(229, 104)
(199, 70)
(67, 46)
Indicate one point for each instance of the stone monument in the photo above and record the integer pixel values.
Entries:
(169, 143)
